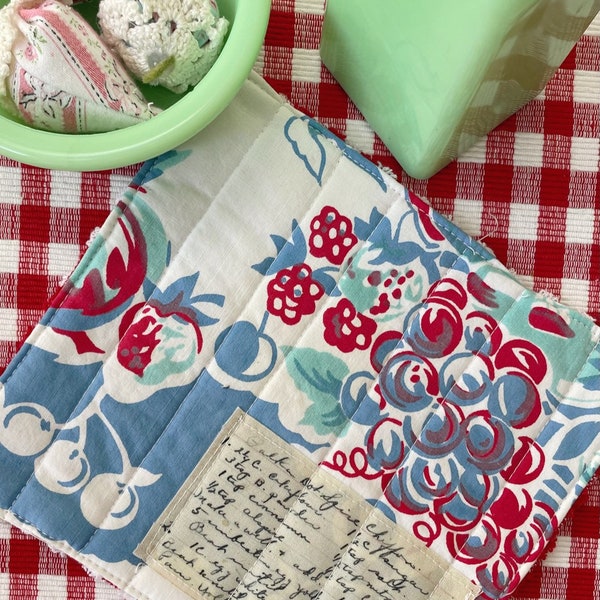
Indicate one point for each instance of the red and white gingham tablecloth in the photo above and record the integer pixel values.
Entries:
(530, 190)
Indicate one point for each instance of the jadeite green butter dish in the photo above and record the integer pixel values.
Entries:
(432, 76)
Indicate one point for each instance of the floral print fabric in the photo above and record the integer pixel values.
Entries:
(267, 266)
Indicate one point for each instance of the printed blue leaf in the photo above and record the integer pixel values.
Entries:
(384, 508)
(326, 280)
(298, 238)
(362, 229)
(577, 441)
(353, 155)
(575, 412)
(217, 299)
(202, 318)
(564, 473)
(263, 267)
(164, 161)
(308, 148)
(549, 431)
(401, 253)
(552, 400)
(293, 253)
(180, 288)
(288, 252)
(591, 383)
(590, 376)
(279, 241)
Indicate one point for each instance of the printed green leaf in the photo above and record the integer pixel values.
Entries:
(319, 375)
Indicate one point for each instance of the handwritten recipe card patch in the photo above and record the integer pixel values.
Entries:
(257, 521)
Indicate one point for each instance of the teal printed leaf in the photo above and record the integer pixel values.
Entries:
(590, 376)
(577, 441)
(268, 414)
(308, 148)
(319, 375)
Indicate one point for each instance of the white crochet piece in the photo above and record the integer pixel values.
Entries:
(172, 43)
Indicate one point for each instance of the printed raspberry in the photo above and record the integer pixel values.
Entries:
(392, 289)
(331, 236)
(293, 293)
(346, 328)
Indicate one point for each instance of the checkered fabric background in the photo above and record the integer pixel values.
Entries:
(530, 191)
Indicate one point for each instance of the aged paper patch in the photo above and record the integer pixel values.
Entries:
(211, 535)
(257, 519)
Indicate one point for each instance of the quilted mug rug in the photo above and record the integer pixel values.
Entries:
(277, 373)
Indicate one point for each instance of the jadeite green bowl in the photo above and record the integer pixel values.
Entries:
(183, 117)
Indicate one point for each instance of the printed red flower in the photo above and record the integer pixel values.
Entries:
(477, 546)
(498, 577)
(104, 288)
(527, 463)
(524, 356)
(293, 293)
(346, 328)
(512, 508)
(331, 236)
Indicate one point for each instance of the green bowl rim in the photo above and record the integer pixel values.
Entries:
(131, 145)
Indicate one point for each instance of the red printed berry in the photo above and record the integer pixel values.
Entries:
(392, 289)
(346, 328)
(331, 236)
(293, 293)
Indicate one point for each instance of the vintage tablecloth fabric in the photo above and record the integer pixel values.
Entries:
(529, 191)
